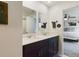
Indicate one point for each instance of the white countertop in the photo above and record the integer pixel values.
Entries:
(35, 38)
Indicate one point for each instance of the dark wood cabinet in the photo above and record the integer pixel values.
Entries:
(44, 48)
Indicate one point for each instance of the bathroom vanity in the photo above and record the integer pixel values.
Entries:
(45, 47)
(37, 40)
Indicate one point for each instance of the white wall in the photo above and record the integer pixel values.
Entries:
(56, 13)
(10, 35)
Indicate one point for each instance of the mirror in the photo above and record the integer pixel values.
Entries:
(33, 22)
(29, 20)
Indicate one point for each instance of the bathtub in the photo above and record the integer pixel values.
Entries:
(71, 35)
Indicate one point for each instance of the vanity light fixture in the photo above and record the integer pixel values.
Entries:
(44, 25)
(54, 24)
(58, 25)
(65, 16)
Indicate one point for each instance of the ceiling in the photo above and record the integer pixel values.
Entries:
(49, 3)
(53, 3)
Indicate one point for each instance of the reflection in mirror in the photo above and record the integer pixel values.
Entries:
(29, 20)
(42, 23)
(71, 31)
(71, 17)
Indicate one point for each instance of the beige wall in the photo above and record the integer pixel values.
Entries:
(56, 13)
(10, 35)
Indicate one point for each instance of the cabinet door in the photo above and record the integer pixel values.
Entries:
(30, 50)
(50, 49)
(53, 45)
(34, 49)
(43, 52)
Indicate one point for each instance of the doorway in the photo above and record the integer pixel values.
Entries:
(71, 31)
